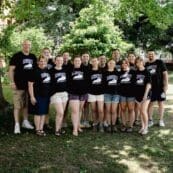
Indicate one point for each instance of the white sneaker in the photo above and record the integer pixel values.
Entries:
(87, 124)
(17, 128)
(26, 124)
(145, 131)
(161, 123)
(150, 123)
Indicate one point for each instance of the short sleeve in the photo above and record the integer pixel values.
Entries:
(148, 77)
(163, 66)
(13, 60)
(32, 76)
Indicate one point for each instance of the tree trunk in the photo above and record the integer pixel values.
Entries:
(3, 102)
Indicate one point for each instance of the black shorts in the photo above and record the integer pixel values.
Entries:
(158, 95)
(140, 98)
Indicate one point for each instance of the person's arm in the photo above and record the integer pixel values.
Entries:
(147, 89)
(31, 92)
(11, 76)
(165, 81)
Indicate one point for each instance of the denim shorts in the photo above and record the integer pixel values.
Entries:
(111, 98)
(127, 99)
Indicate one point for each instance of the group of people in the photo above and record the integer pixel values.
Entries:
(110, 89)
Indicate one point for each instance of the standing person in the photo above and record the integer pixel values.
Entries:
(21, 65)
(111, 95)
(96, 96)
(85, 113)
(78, 89)
(142, 93)
(116, 56)
(39, 92)
(159, 77)
(127, 99)
(131, 58)
(67, 65)
(46, 52)
(59, 95)
(50, 64)
(102, 62)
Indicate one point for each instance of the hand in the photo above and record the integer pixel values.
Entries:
(165, 88)
(144, 98)
(33, 100)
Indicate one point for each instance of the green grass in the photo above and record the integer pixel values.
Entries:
(90, 152)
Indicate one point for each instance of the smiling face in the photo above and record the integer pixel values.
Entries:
(125, 65)
(94, 62)
(139, 63)
(46, 53)
(26, 46)
(59, 61)
(131, 58)
(77, 62)
(42, 63)
(111, 64)
(151, 55)
(85, 58)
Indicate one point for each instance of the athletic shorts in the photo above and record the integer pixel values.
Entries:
(111, 98)
(158, 95)
(127, 99)
(83, 97)
(94, 98)
(20, 99)
(59, 97)
(140, 98)
(41, 107)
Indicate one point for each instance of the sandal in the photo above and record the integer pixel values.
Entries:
(42, 133)
(75, 133)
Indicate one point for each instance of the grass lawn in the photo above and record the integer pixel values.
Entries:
(90, 152)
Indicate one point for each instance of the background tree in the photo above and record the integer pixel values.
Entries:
(94, 31)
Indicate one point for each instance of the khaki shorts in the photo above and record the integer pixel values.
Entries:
(59, 97)
(95, 98)
(20, 99)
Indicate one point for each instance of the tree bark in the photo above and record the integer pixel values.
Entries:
(3, 102)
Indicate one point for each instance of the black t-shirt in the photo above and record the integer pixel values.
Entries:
(78, 81)
(58, 80)
(96, 86)
(24, 65)
(132, 66)
(126, 81)
(68, 66)
(50, 64)
(142, 78)
(156, 70)
(118, 66)
(42, 82)
(110, 80)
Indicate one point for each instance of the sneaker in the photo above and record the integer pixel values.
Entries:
(137, 122)
(26, 124)
(87, 124)
(105, 124)
(145, 131)
(17, 128)
(150, 123)
(161, 123)
(129, 129)
(101, 128)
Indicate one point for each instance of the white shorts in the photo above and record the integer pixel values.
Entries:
(59, 97)
(94, 98)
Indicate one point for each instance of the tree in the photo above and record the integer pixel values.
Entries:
(94, 31)
(12, 38)
(145, 23)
